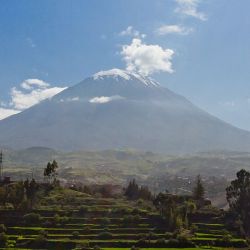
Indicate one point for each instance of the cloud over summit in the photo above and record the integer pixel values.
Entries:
(147, 59)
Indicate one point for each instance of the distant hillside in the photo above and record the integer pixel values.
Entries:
(121, 165)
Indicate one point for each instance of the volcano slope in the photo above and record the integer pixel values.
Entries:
(117, 109)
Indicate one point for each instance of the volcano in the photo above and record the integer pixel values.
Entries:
(117, 109)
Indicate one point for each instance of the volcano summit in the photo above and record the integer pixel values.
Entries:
(119, 109)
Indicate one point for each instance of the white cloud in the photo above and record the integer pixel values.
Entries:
(147, 59)
(73, 99)
(29, 93)
(190, 8)
(130, 31)
(228, 103)
(105, 99)
(22, 100)
(173, 29)
(4, 112)
(33, 83)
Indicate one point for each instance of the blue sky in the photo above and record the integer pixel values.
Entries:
(202, 49)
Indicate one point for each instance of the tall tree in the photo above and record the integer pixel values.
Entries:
(199, 190)
(31, 188)
(50, 172)
(132, 191)
(238, 197)
(167, 206)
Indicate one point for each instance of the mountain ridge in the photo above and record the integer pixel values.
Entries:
(117, 109)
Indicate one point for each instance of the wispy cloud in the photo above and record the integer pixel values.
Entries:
(30, 92)
(147, 59)
(190, 8)
(228, 104)
(105, 99)
(31, 42)
(131, 31)
(72, 99)
(173, 29)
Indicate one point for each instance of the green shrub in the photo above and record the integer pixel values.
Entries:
(87, 229)
(105, 222)
(47, 223)
(64, 220)
(194, 229)
(160, 241)
(40, 241)
(43, 233)
(105, 235)
(32, 219)
(96, 247)
(130, 219)
(60, 220)
(3, 229)
(173, 243)
(168, 235)
(3, 239)
(135, 211)
(75, 235)
(134, 248)
(83, 210)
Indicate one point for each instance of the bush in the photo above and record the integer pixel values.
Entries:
(173, 243)
(160, 242)
(32, 218)
(64, 220)
(75, 235)
(40, 241)
(3, 240)
(123, 210)
(83, 210)
(96, 247)
(105, 222)
(141, 243)
(135, 211)
(2, 228)
(60, 220)
(168, 235)
(184, 241)
(47, 223)
(87, 229)
(134, 248)
(130, 219)
(105, 235)
(194, 229)
(43, 233)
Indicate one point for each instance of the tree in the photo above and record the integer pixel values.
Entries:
(3, 196)
(31, 188)
(50, 172)
(144, 193)
(238, 197)
(16, 194)
(199, 190)
(132, 191)
(167, 206)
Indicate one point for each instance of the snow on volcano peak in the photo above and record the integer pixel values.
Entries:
(112, 73)
(127, 75)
